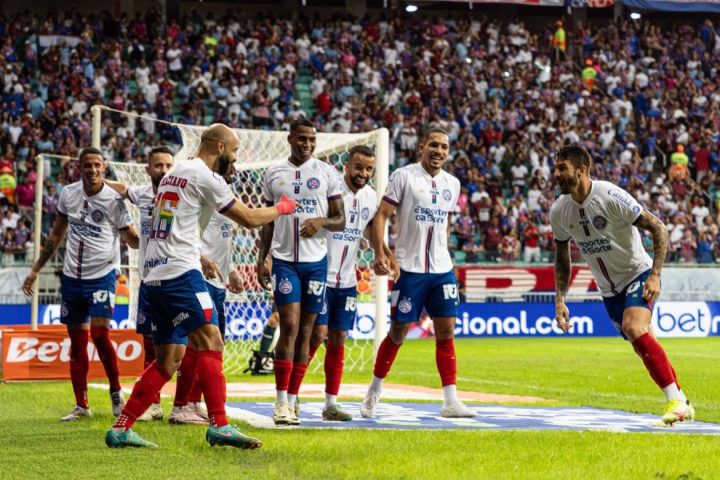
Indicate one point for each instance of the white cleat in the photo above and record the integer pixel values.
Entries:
(118, 402)
(154, 412)
(367, 407)
(456, 409)
(77, 414)
(199, 410)
(293, 418)
(185, 416)
(281, 414)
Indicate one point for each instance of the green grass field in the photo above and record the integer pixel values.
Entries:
(590, 372)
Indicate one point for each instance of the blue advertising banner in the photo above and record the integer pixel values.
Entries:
(675, 6)
(669, 319)
(531, 320)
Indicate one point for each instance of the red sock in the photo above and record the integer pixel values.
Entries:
(655, 360)
(186, 377)
(283, 370)
(108, 357)
(334, 364)
(446, 361)
(196, 392)
(212, 380)
(144, 391)
(149, 350)
(385, 357)
(79, 365)
(296, 377)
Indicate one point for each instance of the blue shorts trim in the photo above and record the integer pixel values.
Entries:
(301, 282)
(339, 309)
(218, 297)
(178, 306)
(143, 316)
(631, 296)
(436, 292)
(83, 299)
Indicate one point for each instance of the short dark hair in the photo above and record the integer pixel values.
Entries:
(300, 122)
(576, 155)
(89, 151)
(362, 150)
(160, 149)
(432, 130)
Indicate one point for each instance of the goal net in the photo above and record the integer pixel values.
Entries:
(248, 311)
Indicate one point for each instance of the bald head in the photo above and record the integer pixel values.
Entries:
(218, 147)
(217, 131)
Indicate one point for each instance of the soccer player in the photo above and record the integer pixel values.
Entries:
(217, 241)
(424, 195)
(299, 256)
(603, 220)
(260, 362)
(180, 306)
(339, 311)
(96, 218)
(160, 160)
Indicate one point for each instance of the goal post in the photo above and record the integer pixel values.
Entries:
(248, 311)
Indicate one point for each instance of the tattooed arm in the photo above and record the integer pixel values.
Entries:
(562, 281)
(659, 232)
(51, 244)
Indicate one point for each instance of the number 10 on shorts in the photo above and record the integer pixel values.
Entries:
(449, 291)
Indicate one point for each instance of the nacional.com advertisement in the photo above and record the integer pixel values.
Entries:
(589, 319)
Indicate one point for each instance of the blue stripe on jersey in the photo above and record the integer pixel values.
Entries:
(296, 239)
(342, 260)
(391, 201)
(227, 207)
(607, 275)
(427, 249)
(334, 197)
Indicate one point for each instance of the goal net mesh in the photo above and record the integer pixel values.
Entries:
(248, 311)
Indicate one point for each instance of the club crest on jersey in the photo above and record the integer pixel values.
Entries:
(97, 215)
(365, 213)
(447, 195)
(285, 286)
(405, 305)
(600, 222)
(313, 183)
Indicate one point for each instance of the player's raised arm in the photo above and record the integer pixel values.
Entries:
(51, 244)
(256, 217)
(119, 187)
(659, 232)
(377, 238)
(562, 280)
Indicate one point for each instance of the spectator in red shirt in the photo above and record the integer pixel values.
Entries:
(531, 252)
(25, 196)
(702, 162)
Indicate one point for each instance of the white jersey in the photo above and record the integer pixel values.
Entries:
(143, 197)
(311, 185)
(423, 205)
(93, 238)
(217, 241)
(188, 195)
(343, 246)
(602, 227)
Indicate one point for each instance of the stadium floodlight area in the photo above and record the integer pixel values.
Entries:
(248, 311)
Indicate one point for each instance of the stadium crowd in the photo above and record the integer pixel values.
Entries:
(643, 99)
